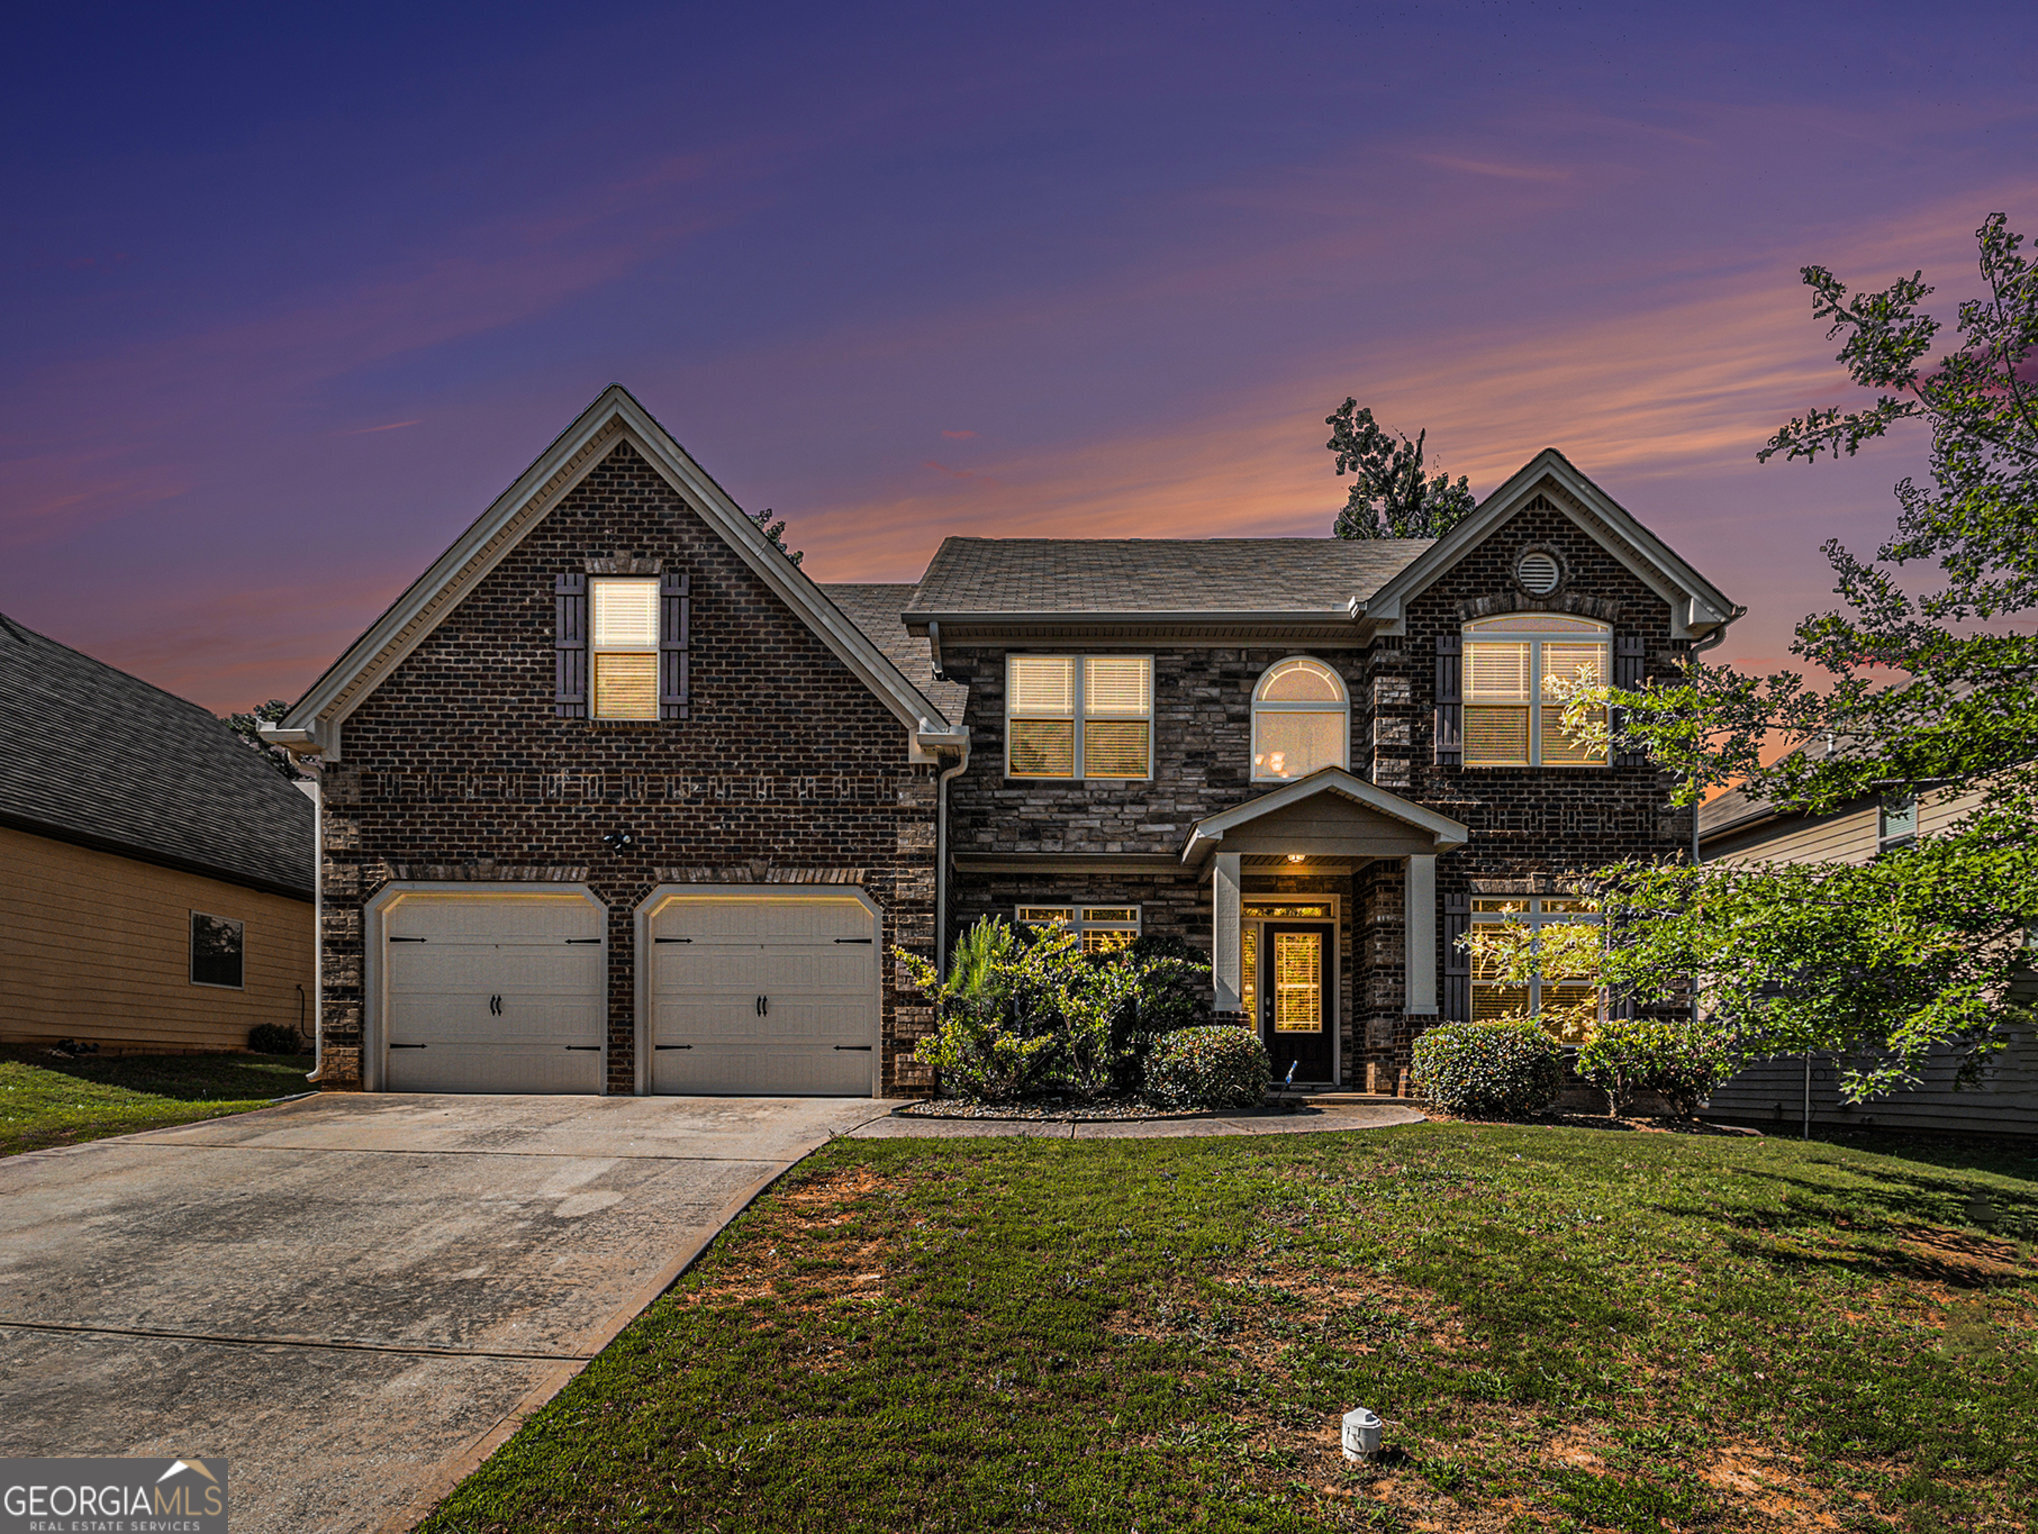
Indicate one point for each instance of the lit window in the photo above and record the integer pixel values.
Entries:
(215, 951)
(1896, 823)
(1561, 988)
(1300, 720)
(1519, 673)
(625, 649)
(1104, 928)
(1073, 716)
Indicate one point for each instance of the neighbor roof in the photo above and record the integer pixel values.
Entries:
(98, 757)
(875, 609)
(1158, 575)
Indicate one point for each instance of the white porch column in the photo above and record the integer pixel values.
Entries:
(1224, 931)
(1419, 932)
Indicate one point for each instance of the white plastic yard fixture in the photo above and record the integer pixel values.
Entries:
(1362, 1433)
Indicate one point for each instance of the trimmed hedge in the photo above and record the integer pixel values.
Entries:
(1489, 1070)
(1678, 1059)
(1219, 1066)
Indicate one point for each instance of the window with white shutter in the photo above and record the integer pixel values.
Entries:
(1519, 675)
(1071, 716)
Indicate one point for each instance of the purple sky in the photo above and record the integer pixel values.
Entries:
(293, 294)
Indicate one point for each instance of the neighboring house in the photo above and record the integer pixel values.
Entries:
(617, 799)
(1736, 829)
(155, 871)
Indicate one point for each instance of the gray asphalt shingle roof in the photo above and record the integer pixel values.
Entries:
(92, 754)
(875, 609)
(1075, 575)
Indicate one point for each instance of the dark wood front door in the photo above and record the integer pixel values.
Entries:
(1298, 1002)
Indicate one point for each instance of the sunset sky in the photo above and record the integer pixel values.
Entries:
(293, 292)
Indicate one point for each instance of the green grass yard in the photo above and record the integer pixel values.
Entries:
(1567, 1329)
(46, 1101)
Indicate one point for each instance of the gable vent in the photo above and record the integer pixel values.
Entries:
(1537, 572)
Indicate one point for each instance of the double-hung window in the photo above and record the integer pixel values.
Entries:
(1079, 716)
(1561, 989)
(1896, 823)
(1104, 928)
(1520, 672)
(625, 647)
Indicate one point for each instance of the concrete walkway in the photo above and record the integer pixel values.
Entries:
(1319, 1121)
(352, 1298)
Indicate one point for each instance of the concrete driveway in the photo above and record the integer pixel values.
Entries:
(354, 1299)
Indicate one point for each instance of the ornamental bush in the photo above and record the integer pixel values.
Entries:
(1678, 1058)
(1220, 1066)
(274, 1039)
(1489, 1070)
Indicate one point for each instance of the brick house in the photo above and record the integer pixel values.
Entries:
(615, 798)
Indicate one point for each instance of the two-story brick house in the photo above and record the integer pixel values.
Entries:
(616, 798)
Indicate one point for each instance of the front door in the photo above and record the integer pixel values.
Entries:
(1298, 1002)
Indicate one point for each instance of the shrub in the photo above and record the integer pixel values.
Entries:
(1221, 1066)
(1678, 1058)
(274, 1039)
(1026, 1013)
(1489, 1070)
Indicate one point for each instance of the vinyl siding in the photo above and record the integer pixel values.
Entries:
(96, 946)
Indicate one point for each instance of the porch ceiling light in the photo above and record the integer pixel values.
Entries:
(1298, 857)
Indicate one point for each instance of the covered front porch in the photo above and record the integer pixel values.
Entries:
(1324, 930)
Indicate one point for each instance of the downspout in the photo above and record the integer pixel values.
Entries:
(312, 788)
(941, 781)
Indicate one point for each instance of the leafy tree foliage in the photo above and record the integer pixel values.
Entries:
(1921, 695)
(775, 531)
(1390, 496)
(248, 727)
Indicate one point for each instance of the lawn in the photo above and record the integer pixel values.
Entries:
(47, 1101)
(1565, 1329)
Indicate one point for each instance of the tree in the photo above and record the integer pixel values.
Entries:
(775, 531)
(1390, 497)
(248, 727)
(1918, 694)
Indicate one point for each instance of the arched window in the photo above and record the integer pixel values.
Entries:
(1519, 672)
(1301, 720)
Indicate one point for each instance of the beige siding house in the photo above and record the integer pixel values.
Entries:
(155, 872)
(1736, 829)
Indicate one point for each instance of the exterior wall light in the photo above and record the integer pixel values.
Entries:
(1298, 857)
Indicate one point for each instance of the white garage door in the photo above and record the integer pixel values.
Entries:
(494, 993)
(773, 994)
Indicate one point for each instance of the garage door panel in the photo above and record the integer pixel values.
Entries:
(812, 959)
(494, 1066)
(763, 1069)
(493, 993)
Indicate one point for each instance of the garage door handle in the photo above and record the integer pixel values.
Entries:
(853, 940)
(672, 940)
(583, 1046)
(406, 940)
(406, 1046)
(861, 1049)
(583, 940)
(661, 1048)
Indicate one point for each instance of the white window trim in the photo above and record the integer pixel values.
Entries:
(1077, 715)
(596, 649)
(1535, 918)
(1343, 709)
(1077, 919)
(1885, 841)
(191, 951)
(1535, 640)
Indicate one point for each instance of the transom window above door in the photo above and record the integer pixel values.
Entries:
(1079, 716)
(1301, 720)
(1519, 674)
(625, 647)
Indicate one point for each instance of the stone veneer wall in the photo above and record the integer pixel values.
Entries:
(788, 770)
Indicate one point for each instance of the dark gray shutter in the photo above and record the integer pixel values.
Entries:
(675, 624)
(1457, 963)
(569, 646)
(1630, 667)
(1449, 701)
